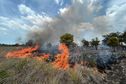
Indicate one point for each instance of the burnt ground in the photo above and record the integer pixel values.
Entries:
(118, 73)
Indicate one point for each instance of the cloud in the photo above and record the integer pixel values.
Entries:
(29, 20)
(81, 18)
(117, 17)
(62, 10)
(25, 10)
(59, 2)
(12, 24)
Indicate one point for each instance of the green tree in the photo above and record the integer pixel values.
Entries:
(67, 39)
(113, 42)
(113, 34)
(95, 43)
(85, 43)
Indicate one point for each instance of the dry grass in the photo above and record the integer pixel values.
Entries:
(29, 71)
(5, 49)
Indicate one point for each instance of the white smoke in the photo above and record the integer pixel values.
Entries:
(79, 18)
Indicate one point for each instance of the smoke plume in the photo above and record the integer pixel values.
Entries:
(82, 16)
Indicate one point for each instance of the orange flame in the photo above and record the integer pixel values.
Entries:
(42, 57)
(61, 61)
(23, 53)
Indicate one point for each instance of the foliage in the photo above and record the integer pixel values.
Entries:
(67, 39)
(107, 36)
(113, 42)
(121, 37)
(95, 43)
(121, 42)
(85, 43)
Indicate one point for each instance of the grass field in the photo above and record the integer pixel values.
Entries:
(32, 71)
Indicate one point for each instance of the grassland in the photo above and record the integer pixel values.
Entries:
(31, 71)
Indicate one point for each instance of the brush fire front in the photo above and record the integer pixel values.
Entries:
(60, 61)
(63, 59)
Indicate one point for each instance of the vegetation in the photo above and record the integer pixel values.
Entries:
(12, 45)
(67, 39)
(107, 36)
(115, 39)
(29, 71)
(95, 43)
(113, 42)
(85, 43)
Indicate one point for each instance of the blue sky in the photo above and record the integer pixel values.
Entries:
(83, 18)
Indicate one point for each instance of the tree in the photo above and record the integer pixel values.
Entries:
(67, 39)
(113, 34)
(85, 43)
(95, 43)
(113, 42)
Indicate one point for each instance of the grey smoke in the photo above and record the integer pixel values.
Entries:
(77, 18)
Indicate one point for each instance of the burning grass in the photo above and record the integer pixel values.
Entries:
(23, 67)
(61, 60)
(23, 53)
(34, 69)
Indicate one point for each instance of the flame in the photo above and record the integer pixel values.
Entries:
(42, 57)
(23, 53)
(61, 61)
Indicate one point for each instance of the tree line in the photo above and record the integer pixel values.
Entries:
(115, 40)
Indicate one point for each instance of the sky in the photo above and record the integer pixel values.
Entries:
(22, 19)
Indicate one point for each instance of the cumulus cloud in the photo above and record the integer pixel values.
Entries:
(14, 24)
(28, 21)
(31, 16)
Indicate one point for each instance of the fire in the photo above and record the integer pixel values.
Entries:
(61, 61)
(23, 53)
(42, 57)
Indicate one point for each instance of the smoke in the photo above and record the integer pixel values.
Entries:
(78, 18)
